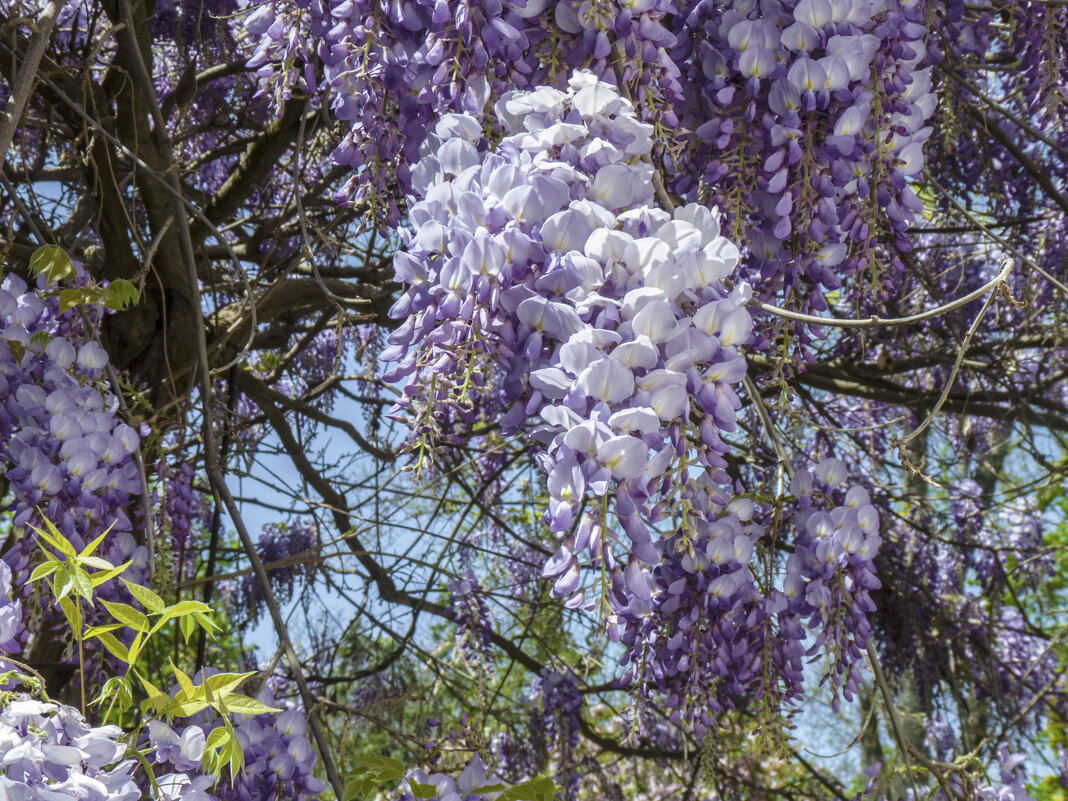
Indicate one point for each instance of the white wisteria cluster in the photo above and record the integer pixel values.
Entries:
(545, 285)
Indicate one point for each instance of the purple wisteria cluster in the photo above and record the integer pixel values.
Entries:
(10, 615)
(717, 633)
(183, 513)
(49, 752)
(390, 77)
(543, 283)
(288, 550)
(831, 573)
(467, 605)
(806, 119)
(279, 760)
(69, 453)
(556, 707)
(811, 118)
(63, 445)
(699, 642)
(447, 788)
(541, 279)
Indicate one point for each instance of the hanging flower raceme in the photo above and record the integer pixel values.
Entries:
(542, 279)
(546, 291)
(810, 118)
(50, 752)
(279, 762)
(442, 787)
(10, 615)
(830, 574)
(64, 448)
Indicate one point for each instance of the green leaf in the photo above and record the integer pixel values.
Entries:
(118, 686)
(148, 599)
(89, 549)
(217, 737)
(186, 608)
(52, 536)
(124, 613)
(206, 623)
(136, 646)
(61, 584)
(238, 704)
(178, 610)
(53, 262)
(236, 756)
(94, 631)
(183, 709)
(18, 350)
(82, 585)
(420, 790)
(95, 562)
(120, 294)
(43, 569)
(69, 298)
(382, 768)
(73, 615)
(108, 575)
(539, 788)
(227, 682)
(183, 681)
(210, 761)
(112, 643)
(188, 626)
(360, 787)
(41, 339)
(158, 700)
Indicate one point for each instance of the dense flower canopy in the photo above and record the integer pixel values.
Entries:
(452, 398)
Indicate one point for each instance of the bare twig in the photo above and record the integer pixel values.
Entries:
(904, 441)
(27, 75)
(885, 322)
(211, 453)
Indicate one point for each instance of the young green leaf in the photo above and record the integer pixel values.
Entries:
(359, 787)
(217, 738)
(111, 642)
(53, 537)
(18, 350)
(120, 294)
(108, 575)
(183, 681)
(119, 687)
(126, 614)
(53, 262)
(90, 549)
(43, 569)
(420, 790)
(237, 704)
(158, 700)
(82, 584)
(148, 599)
(73, 615)
(236, 755)
(183, 709)
(382, 768)
(41, 339)
(227, 682)
(61, 584)
(188, 626)
(69, 298)
(540, 788)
